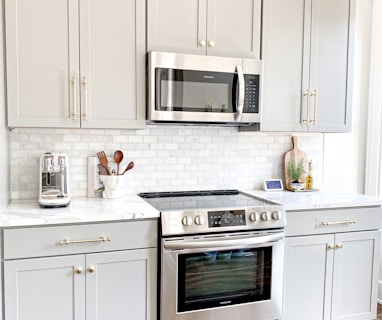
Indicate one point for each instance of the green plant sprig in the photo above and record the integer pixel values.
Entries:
(295, 171)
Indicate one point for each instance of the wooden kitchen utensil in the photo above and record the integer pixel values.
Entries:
(295, 154)
(118, 157)
(102, 170)
(103, 159)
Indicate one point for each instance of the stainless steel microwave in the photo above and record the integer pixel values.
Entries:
(195, 89)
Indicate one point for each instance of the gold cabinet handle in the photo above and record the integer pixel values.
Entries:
(78, 270)
(327, 223)
(314, 94)
(74, 85)
(101, 239)
(307, 95)
(85, 86)
(337, 246)
(91, 269)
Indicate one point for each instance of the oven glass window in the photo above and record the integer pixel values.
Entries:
(213, 279)
(195, 91)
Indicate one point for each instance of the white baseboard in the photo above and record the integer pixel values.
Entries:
(380, 292)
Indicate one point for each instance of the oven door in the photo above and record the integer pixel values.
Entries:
(222, 276)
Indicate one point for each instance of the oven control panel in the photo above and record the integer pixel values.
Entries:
(233, 219)
(226, 218)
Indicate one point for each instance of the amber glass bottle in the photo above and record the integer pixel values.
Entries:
(309, 177)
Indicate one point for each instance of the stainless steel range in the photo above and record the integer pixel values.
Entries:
(221, 255)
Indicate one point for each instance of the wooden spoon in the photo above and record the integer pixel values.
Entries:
(129, 167)
(118, 157)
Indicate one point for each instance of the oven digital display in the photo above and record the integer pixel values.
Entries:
(226, 218)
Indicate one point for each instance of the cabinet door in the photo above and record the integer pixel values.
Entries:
(42, 51)
(331, 64)
(307, 45)
(307, 278)
(121, 285)
(177, 26)
(285, 30)
(112, 63)
(213, 27)
(233, 28)
(44, 289)
(355, 276)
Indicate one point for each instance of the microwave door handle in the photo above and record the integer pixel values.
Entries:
(240, 97)
(208, 244)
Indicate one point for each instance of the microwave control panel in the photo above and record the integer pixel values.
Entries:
(251, 95)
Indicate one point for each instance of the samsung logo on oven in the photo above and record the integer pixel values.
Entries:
(226, 302)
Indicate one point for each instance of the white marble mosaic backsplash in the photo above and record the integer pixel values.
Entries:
(167, 158)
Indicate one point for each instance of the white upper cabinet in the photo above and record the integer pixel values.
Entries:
(75, 63)
(307, 48)
(212, 27)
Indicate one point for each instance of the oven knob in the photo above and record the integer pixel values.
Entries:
(254, 216)
(187, 221)
(276, 215)
(265, 216)
(199, 220)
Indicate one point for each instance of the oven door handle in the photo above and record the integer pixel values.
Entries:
(214, 243)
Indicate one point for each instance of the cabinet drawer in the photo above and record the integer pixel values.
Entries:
(333, 220)
(46, 241)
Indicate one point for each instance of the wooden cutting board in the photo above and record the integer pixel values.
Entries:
(294, 154)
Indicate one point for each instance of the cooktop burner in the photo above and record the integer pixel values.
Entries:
(206, 199)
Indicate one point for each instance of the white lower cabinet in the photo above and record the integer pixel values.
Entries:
(108, 285)
(333, 275)
(44, 288)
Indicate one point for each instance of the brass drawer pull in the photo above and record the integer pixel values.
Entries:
(326, 223)
(101, 239)
(85, 85)
(74, 84)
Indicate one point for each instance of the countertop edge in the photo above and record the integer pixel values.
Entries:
(297, 201)
(23, 213)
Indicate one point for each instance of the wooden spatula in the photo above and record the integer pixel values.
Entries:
(103, 159)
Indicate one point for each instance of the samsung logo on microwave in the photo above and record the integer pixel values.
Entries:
(208, 77)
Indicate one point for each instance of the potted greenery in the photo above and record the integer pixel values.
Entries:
(295, 170)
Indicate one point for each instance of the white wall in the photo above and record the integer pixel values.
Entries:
(344, 154)
(167, 158)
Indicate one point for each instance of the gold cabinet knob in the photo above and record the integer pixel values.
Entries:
(91, 269)
(339, 246)
(330, 247)
(78, 270)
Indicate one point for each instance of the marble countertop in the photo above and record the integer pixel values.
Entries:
(316, 199)
(80, 210)
(131, 207)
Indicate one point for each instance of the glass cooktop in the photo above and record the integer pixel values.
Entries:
(194, 200)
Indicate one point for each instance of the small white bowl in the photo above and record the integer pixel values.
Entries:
(297, 185)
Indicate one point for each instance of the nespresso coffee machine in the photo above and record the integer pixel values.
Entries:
(54, 183)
